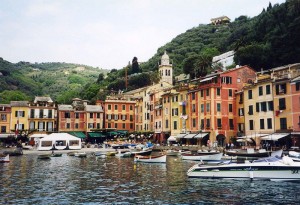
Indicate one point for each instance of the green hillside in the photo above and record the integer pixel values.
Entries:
(60, 81)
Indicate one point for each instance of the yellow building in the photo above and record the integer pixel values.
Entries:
(19, 117)
(5, 119)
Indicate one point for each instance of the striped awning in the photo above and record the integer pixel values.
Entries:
(181, 135)
(275, 136)
(201, 135)
(189, 136)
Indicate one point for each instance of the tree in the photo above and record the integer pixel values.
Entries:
(135, 68)
(12, 95)
(100, 78)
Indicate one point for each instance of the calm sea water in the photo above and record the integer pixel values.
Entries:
(71, 180)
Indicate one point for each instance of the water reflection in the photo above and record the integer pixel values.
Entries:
(71, 180)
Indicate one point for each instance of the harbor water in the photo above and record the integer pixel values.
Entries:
(111, 180)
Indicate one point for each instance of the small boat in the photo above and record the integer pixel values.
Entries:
(123, 154)
(270, 168)
(249, 153)
(56, 154)
(151, 159)
(80, 154)
(4, 158)
(71, 153)
(202, 157)
(143, 152)
(15, 152)
(172, 152)
(44, 156)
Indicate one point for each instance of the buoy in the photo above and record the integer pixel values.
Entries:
(251, 175)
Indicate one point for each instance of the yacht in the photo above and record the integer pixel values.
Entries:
(270, 168)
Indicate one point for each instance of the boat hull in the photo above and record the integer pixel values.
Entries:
(151, 159)
(4, 158)
(249, 171)
(200, 157)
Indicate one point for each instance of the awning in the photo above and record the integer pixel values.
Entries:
(275, 136)
(6, 135)
(112, 133)
(96, 134)
(206, 79)
(295, 133)
(122, 132)
(253, 136)
(37, 135)
(189, 136)
(78, 134)
(181, 135)
(172, 138)
(201, 135)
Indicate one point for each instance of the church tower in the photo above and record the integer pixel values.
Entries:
(166, 69)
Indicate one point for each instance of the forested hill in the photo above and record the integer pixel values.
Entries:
(268, 40)
(60, 81)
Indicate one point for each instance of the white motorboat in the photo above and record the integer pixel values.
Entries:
(80, 154)
(202, 157)
(270, 168)
(143, 151)
(295, 156)
(4, 158)
(151, 159)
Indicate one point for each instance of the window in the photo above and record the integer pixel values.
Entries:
(109, 107)
(20, 114)
(230, 107)
(230, 92)
(32, 113)
(262, 124)
(269, 123)
(249, 94)
(263, 106)
(67, 115)
(116, 117)
(116, 125)
(41, 113)
(207, 123)
(175, 125)
(250, 110)
(268, 89)
(207, 92)
(68, 125)
(282, 104)
(167, 123)
(241, 111)
(202, 93)
(76, 125)
(260, 90)
(32, 125)
(194, 122)
(283, 124)
(109, 116)
(231, 126)
(207, 107)
(123, 125)
(193, 108)
(202, 108)
(218, 91)
(219, 123)
(108, 125)
(193, 96)
(3, 129)
(251, 127)
(91, 115)
(297, 86)
(270, 105)
(218, 107)
(3, 117)
(281, 89)
(131, 107)
(226, 80)
(131, 117)
(116, 107)
(202, 124)
(98, 115)
(123, 107)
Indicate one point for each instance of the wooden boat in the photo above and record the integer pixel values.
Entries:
(143, 152)
(202, 157)
(80, 154)
(4, 158)
(151, 159)
(44, 156)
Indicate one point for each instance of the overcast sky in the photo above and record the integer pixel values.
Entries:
(105, 33)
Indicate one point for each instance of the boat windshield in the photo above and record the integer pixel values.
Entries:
(267, 159)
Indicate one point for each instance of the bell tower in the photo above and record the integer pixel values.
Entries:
(166, 69)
